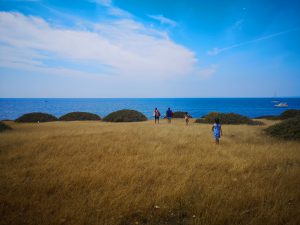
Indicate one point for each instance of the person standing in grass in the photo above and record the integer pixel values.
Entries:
(156, 114)
(217, 130)
(169, 115)
(186, 118)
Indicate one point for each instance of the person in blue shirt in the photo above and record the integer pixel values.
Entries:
(169, 115)
(217, 130)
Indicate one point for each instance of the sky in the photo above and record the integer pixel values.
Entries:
(149, 48)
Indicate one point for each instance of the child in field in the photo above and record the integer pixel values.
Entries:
(186, 118)
(217, 130)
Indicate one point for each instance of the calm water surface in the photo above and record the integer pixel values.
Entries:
(12, 108)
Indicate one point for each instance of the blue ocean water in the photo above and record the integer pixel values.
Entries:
(12, 108)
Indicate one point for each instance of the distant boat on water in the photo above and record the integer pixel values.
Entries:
(281, 105)
(275, 96)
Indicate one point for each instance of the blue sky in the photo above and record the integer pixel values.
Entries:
(149, 48)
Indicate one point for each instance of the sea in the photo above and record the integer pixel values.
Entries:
(12, 108)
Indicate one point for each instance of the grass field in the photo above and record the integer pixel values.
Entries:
(141, 173)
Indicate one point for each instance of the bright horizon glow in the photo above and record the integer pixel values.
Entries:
(154, 49)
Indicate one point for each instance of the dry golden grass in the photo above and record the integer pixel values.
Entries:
(141, 173)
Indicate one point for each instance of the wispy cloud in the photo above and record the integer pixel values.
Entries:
(125, 46)
(238, 24)
(115, 11)
(103, 2)
(164, 20)
(21, 0)
(216, 51)
(111, 9)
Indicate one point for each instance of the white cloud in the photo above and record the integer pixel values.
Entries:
(111, 9)
(126, 46)
(115, 11)
(164, 20)
(216, 51)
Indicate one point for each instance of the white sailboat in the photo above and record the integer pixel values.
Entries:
(282, 105)
(278, 103)
(275, 96)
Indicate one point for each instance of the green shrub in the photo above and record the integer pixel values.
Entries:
(227, 118)
(287, 129)
(268, 117)
(4, 127)
(125, 115)
(74, 116)
(36, 117)
(179, 114)
(290, 113)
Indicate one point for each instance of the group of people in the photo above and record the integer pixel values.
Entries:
(216, 128)
(169, 116)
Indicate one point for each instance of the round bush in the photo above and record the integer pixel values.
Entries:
(179, 114)
(268, 117)
(227, 118)
(36, 117)
(76, 116)
(290, 113)
(4, 127)
(125, 115)
(287, 129)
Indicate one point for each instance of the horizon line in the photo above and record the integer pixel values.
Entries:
(139, 97)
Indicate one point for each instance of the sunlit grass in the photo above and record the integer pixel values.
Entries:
(141, 173)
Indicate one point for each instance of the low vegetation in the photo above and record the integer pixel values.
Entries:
(227, 118)
(179, 114)
(79, 116)
(287, 129)
(75, 173)
(268, 117)
(125, 115)
(4, 127)
(36, 117)
(290, 113)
